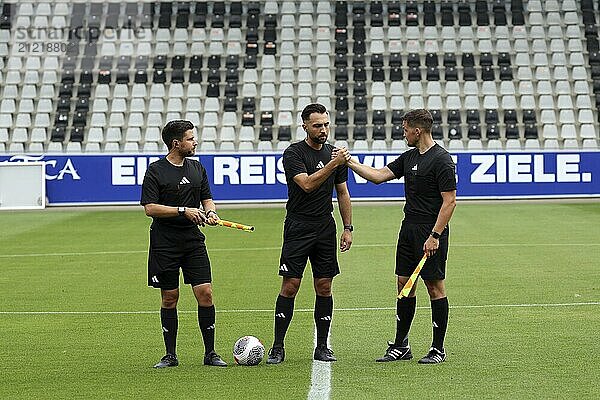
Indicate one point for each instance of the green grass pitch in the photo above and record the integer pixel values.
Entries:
(78, 321)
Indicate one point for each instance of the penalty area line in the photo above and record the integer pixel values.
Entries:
(241, 311)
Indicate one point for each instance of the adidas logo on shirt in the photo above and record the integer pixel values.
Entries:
(184, 180)
(414, 168)
(320, 165)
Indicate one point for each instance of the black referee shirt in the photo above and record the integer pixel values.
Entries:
(425, 177)
(170, 185)
(301, 158)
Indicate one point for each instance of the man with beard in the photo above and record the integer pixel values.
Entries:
(309, 231)
(176, 194)
(430, 191)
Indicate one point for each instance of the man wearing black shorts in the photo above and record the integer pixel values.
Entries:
(176, 194)
(430, 191)
(309, 231)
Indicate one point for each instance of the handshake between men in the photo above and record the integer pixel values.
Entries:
(341, 155)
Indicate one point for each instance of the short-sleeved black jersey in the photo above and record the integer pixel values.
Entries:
(301, 158)
(170, 185)
(425, 177)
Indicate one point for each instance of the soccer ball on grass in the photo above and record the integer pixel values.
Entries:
(248, 350)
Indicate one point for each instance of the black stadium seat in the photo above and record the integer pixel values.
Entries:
(261, 62)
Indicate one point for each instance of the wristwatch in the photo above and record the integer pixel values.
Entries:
(181, 210)
(435, 235)
(349, 228)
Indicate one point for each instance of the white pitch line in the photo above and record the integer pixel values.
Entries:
(241, 311)
(101, 253)
(86, 253)
(320, 377)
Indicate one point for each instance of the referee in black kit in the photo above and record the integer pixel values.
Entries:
(176, 194)
(430, 189)
(309, 231)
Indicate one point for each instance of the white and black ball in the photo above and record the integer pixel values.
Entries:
(248, 350)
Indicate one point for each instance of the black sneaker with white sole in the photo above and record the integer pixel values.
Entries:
(322, 353)
(434, 356)
(276, 355)
(169, 360)
(396, 353)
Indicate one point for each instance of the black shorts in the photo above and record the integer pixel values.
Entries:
(315, 241)
(409, 252)
(171, 249)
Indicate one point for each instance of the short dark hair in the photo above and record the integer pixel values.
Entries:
(175, 130)
(313, 108)
(419, 118)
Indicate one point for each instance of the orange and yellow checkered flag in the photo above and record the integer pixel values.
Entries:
(235, 225)
(413, 278)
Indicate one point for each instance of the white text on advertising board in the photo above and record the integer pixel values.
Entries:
(526, 168)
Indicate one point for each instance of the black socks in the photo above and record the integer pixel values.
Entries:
(323, 313)
(206, 321)
(405, 312)
(439, 319)
(284, 310)
(168, 321)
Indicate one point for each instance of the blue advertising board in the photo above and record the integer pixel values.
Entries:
(81, 179)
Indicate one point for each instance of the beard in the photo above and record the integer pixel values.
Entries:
(320, 139)
(410, 143)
